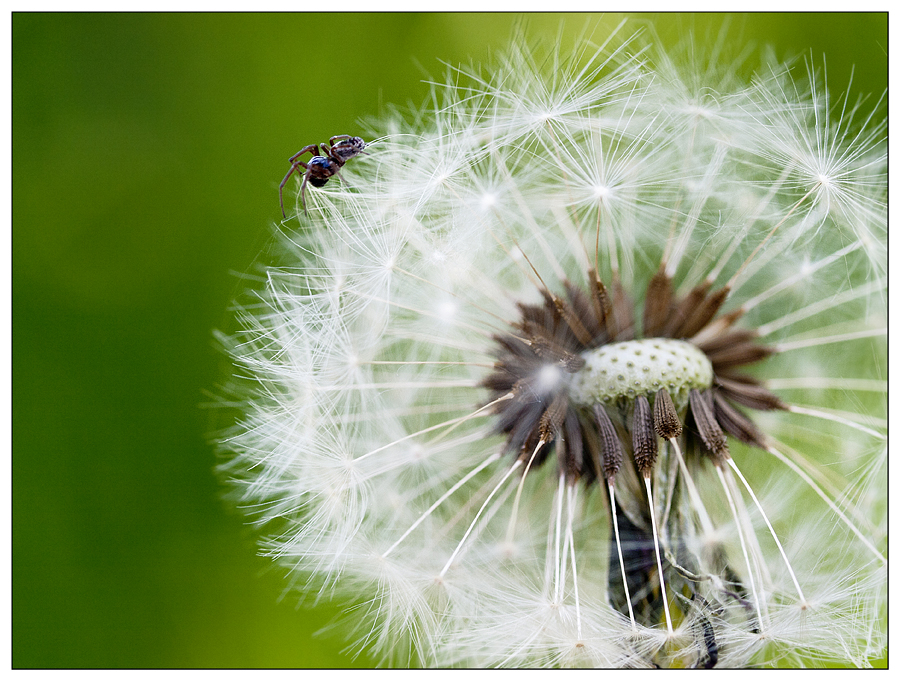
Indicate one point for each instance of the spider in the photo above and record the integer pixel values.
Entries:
(322, 167)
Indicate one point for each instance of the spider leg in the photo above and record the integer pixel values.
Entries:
(337, 137)
(303, 193)
(338, 175)
(294, 166)
(313, 148)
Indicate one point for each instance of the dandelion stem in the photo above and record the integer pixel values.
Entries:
(662, 582)
(831, 487)
(795, 409)
(740, 531)
(462, 541)
(712, 170)
(768, 236)
(803, 275)
(396, 385)
(557, 575)
(453, 423)
(515, 509)
(502, 398)
(466, 300)
(422, 312)
(446, 495)
(839, 338)
(751, 220)
(612, 503)
(828, 383)
(820, 306)
(570, 540)
(818, 490)
(408, 363)
(700, 508)
(787, 563)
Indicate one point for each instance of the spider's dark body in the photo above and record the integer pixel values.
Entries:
(322, 166)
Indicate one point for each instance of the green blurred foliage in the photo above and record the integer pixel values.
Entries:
(147, 153)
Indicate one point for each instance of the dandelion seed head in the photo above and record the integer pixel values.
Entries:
(488, 200)
(601, 191)
(549, 378)
(582, 367)
(699, 111)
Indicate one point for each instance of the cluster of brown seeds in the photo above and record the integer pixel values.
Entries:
(536, 364)
(546, 402)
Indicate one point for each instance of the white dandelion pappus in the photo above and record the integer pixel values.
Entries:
(585, 367)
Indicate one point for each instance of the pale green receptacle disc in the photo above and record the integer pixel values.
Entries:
(641, 367)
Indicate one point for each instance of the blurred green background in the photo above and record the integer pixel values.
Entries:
(147, 152)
